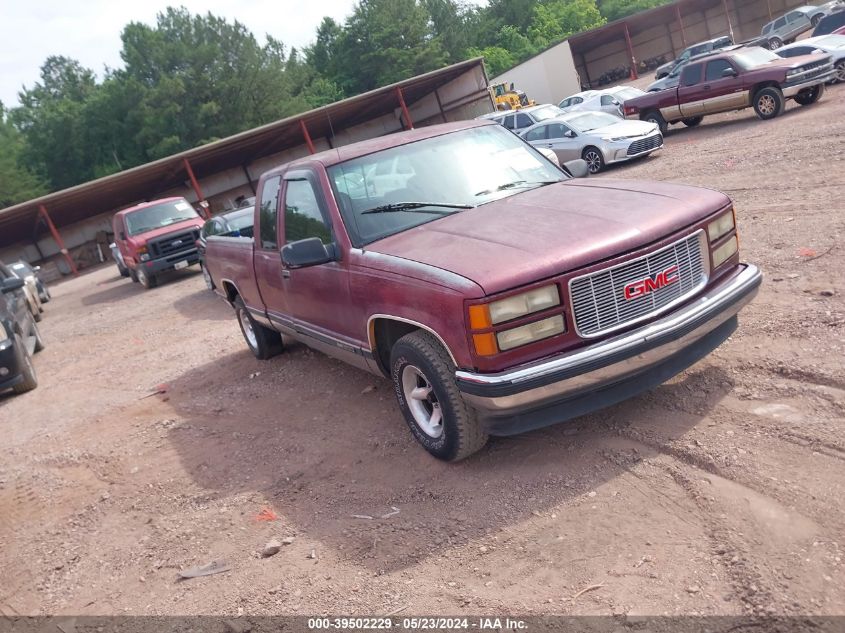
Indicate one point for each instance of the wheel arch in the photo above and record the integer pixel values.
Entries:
(230, 289)
(383, 330)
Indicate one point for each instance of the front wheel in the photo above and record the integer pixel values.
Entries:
(693, 121)
(775, 43)
(658, 120)
(810, 96)
(124, 272)
(209, 282)
(424, 382)
(148, 280)
(594, 159)
(263, 342)
(30, 380)
(768, 103)
(133, 275)
(839, 77)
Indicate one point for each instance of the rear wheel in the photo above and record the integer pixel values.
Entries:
(124, 272)
(30, 380)
(148, 280)
(809, 97)
(657, 119)
(693, 121)
(424, 382)
(39, 341)
(593, 158)
(775, 43)
(133, 275)
(768, 103)
(263, 342)
(209, 282)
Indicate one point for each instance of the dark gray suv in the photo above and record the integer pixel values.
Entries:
(696, 49)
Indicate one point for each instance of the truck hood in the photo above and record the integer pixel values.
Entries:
(142, 238)
(551, 230)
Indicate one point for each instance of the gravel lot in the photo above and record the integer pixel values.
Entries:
(718, 493)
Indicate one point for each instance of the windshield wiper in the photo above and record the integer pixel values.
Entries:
(517, 183)
(417, 206)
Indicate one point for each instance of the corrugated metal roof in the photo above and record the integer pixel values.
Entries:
(145, 182)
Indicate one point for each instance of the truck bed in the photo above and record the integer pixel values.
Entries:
(230, 262)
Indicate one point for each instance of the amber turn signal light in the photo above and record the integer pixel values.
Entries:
(485, 344)
(479, 317)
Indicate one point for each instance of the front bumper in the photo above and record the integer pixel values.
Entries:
(617, 151)
(190, 255)
(602, 374)
(792, 89)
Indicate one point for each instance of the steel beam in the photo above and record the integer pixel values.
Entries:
(307, 136)
(197, 190)
(42, 211)
(634, 74)
(680, 24)
(405, 112)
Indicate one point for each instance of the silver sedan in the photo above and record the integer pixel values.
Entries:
(597, 137)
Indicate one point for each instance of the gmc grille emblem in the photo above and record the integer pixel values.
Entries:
(651, 283)
(176, 243)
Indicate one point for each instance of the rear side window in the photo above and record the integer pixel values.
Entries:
(701, 48)
(303, 216)
(767, 28)
(715, 69)
(523, 120)
(795, 16)
(537, 134)
(780, 22)
(691, 75)
(268, 214)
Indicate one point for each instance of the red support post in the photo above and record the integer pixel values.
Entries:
(42, 211)
(307, 136)
(634, 74)
(197, 190)
(680, 24)
(728, 18)
(404, 108)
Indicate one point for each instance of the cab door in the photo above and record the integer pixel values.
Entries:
(691, 94)
(723, 87)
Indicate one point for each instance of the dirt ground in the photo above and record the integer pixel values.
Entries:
(718, 493)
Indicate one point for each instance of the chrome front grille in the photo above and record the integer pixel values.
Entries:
(645, 144)
(599, 303)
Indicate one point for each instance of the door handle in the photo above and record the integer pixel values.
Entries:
(285, 273)
(706, 87)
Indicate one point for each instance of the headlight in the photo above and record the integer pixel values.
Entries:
(726, 250)
(526, 303)
(722, 225)
(508, 339)
(145, 257)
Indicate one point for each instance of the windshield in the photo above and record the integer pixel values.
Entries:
(240, 220)
(448, 173)
(752, 57)
(160, 215)
(592, 120)
(21, 269)
(547, 112)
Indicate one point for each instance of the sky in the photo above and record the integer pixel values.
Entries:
(89, 30)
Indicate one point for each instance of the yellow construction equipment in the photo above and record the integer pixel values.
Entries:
(506, 97)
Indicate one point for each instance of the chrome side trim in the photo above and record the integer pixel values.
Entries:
(724, 297)
(370, 333)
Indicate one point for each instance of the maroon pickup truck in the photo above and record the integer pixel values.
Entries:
(733, 80)
(496, 292)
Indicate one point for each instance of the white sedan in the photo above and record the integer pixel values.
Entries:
(609, 100)
(597, 137)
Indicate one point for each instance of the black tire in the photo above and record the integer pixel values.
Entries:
(460, 432)
(809, 97)
(209, 282)
(775, 43)
(30, 379)
(148, 280)
(768, 103)
(594, 158)
(693, 121)
(264, 342)
(39, 341)
(124, 272)
(656, 118)
(840, 72)
(133, 276)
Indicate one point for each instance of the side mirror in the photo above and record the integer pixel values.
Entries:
(308, 252)
(729, 72)
(578, 168)
(37, 269)
(615, 102)
(11, 284)
(569, 134)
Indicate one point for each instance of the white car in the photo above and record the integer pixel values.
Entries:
(575, 99)
(597, 137)
(517, 120)
(609, 100)
(834, 45)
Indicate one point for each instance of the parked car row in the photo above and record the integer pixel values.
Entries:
(20, 307)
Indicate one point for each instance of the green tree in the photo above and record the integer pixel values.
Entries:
(616, 9)
(556, 20)
(17, 183)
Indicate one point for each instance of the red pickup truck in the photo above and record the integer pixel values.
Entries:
(496, 292)
(732, 80)
(157, 236)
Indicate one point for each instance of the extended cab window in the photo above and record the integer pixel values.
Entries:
(715, 69)
(303, 217)
(691, 75)
(267, 214)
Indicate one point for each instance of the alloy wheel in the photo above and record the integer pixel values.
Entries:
(422, 401)
(766, 104)
(249, 332)
(593, 161)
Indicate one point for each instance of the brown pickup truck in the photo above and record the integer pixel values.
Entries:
(497, 293)
(733, 80)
